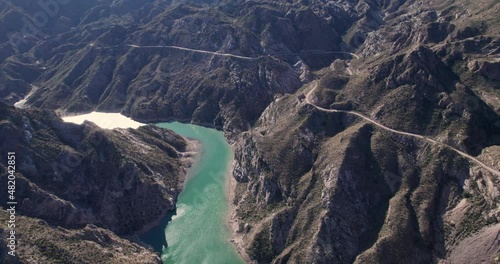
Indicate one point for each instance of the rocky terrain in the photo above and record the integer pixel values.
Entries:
(311, 186)
(84, 64)
(320, 187)
(43, 243)
(81, 187)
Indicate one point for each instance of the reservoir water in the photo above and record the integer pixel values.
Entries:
(197, 231)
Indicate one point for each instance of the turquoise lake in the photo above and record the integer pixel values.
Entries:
(197, 232)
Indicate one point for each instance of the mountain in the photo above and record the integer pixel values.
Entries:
(330, 187)
(363, 131)
(87, 188)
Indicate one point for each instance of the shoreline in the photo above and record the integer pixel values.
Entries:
(104, 120)
(221, 180)
(188, 158)
(64, 114)
(236, 239)
(191, 156)
(228, 135)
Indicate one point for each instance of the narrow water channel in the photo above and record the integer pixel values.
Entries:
(197, 232)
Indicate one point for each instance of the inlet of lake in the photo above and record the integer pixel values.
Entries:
(197, 231)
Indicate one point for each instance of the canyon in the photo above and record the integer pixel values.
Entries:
(362, 131)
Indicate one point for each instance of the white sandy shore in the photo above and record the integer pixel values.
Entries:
(105, 120)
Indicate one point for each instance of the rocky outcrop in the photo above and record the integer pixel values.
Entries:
(50, 244)
(489, 69)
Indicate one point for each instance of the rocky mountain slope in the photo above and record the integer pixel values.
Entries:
(317, 187)
(88, 65)
(312, 186)
(82, 186)
(320, 187)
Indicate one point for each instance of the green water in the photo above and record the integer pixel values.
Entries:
(197, 231)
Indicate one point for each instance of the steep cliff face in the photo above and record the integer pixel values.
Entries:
(73, 176)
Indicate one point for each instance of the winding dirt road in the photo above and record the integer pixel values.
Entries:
(430, 140)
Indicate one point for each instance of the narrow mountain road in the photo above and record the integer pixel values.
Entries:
(198, 51)
(311, 52)
(314, 52)
(432, 141)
